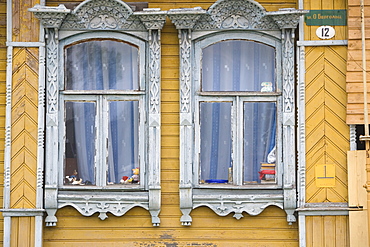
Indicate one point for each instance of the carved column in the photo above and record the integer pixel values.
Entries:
(154, 20)
(51, 18)
(184, 21)
(287, 20)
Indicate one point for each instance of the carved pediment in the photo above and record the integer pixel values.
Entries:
(236, 14)
(102, 15)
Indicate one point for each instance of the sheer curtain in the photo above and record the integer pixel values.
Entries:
(103, 65)
(236, 65)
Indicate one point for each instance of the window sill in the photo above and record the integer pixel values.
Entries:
(240, 187)
(117, 187)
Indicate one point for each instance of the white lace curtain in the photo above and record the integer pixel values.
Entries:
(102, 65)
(236, 65)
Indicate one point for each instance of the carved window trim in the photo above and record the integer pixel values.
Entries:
(233, 18)
(114, 19)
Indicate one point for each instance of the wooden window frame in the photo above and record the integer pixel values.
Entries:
(222, 21)
(101, 19)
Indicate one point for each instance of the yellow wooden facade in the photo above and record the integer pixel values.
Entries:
(322, 217)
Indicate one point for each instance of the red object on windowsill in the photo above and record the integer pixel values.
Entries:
(264, 172)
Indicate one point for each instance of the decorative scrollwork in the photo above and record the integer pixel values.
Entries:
(154, 72)
(99, 14)
(252, 206)
(52, 72)
(185, 71)
(288, 71)
(50, 17)
(236, 14)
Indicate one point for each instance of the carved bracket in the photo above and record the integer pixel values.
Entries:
(287, 18)
(224, 205)
(88, 204)
(50, 17)
(152, 18)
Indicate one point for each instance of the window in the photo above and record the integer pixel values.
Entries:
(237, 111)
(102, 113)
(102, 94)
(237, 108)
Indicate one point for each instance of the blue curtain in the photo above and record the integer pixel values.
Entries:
(236, 65)
(104, 65)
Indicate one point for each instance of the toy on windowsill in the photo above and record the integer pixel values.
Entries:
(73, 179)
(134, 179)
(266, 86)
(125, 180)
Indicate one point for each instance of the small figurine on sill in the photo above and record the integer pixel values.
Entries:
(125, 180)
(266, 86)
(73, 179)
(135, 177)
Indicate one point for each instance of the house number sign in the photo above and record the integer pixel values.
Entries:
(325, 32)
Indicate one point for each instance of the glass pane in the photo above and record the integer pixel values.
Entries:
(259, 142)
(102, 65)
(215, 144)
(238, 65)
(80, 143)
(123, 142)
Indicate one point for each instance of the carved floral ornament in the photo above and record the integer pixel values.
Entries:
(100, 15)
(234, 14)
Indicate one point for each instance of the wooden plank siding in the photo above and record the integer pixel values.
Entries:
(3, 59)
(355, 108)
(24, 122)
(327, 231)
(135, 228)
(327, 133)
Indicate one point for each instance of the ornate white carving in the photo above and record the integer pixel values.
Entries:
(231, 15)
(154, 72)
(287, 18)
(288, 70)
(50, 17)
(52, 72)
(236, 14)
(89, 203)
(100, 15)
(185, 71)
(237, 204)
(185, 18)
(152, 18)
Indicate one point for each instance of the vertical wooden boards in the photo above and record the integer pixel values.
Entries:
(135, 228)
(327, 133)
(24, 128)
(24, 120)
(327, 231)
(24, 227)
(310, 31)
(355, 109)
(2, 105)
(357, 198)
(357, 178)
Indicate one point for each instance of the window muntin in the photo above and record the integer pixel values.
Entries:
(103, 113)
(243, 150)
(238, 65)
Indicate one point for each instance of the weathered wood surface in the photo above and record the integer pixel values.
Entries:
(208, 229)
(355, 109)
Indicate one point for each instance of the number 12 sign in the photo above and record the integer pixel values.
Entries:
(325, 32)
